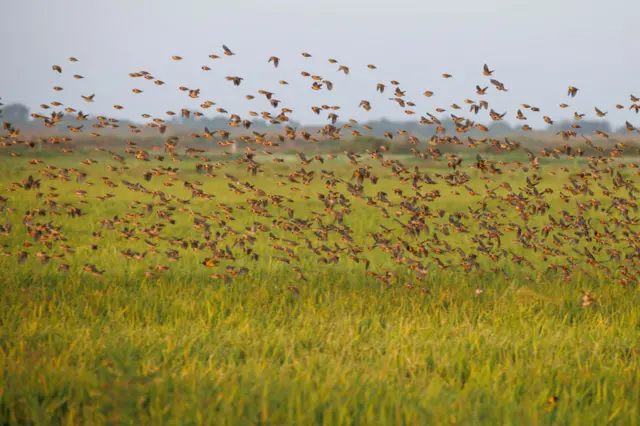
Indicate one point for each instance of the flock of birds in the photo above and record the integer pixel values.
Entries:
(580, 230)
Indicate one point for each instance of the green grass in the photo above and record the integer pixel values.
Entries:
(183, 348)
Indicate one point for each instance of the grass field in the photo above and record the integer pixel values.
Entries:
(179, 347)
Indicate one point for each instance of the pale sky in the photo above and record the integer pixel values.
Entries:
(537, 48)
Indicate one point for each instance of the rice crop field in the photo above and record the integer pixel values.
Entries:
(356, 290)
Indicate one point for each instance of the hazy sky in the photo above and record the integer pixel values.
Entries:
(537, 48)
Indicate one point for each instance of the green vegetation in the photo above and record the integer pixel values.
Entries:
(485, 347)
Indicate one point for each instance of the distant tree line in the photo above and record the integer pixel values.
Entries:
(14, 113)
(17, 113)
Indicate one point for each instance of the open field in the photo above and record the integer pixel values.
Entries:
(351, 319)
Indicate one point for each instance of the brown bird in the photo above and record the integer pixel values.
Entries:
(275, 60)
(572, 91)
(236, 80)
(498, 85)
(294, 290)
